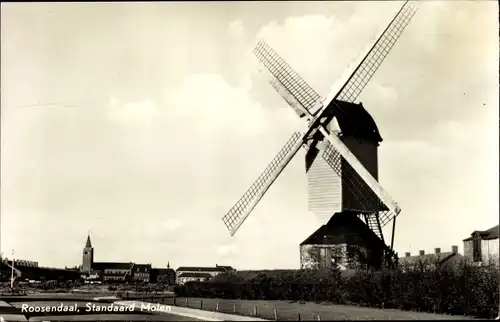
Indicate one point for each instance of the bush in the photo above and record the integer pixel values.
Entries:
(466, 290)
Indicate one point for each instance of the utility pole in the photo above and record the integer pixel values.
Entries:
(12, 271)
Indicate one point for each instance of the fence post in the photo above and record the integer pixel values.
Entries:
(319, 318)
(298, 316)
(201, 304)
(174, 300)
(234, 308)
(162, 300)
(217, 306)
(186, 302)
(276, 314)
(255, 310)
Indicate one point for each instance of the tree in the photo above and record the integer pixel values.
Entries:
(314, 254)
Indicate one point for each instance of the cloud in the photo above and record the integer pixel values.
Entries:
(171, 224)
(388, 94)
(322, 47)
(236, 28)
(131, 111)
(226, 250)
(207, 103)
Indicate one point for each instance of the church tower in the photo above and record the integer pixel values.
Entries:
(88, 256)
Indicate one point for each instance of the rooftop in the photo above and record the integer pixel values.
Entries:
(433, 258)
(492, 233)
(217, 268)
(160, 271)
(354, 120)
(111, 265)
(142, 267)
(88, 244)
(344, 228)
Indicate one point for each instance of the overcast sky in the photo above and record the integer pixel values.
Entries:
(160, 122)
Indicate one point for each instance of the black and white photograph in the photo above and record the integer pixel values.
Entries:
(249, 160)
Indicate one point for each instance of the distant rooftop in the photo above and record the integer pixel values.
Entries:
(217, 268)
(111, 265)
(436, 257)
(88, 244)
(492, 233)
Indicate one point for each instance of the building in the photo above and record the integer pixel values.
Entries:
(482, 247)
(142, 273)
(23, 263)
(186, 274)
(24, 269)
(163, 275)
(336, 190)
(193, 277)
(112, 272)
(449, 259)
(344, 242)
(330, 191)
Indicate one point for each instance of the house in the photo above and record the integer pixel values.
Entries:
(344, 242)
(141, 273)
(449, 259)
(113, 271)
(482, 247)
(163, 275)
(184, 274)
(192, 276)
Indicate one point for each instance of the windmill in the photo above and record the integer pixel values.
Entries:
(341, 161)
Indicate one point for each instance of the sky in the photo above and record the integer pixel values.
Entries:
(144, 123)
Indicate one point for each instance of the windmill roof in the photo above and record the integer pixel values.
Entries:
(344, 228)
(492, 233)
(354, 120)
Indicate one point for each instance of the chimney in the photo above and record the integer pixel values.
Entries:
(422, 253)
(408, 254)
(454, 249)
(437, 250)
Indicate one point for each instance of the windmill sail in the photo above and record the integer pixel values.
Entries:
(361, 179)
(370, 63)
(242, 209)
(288, 83)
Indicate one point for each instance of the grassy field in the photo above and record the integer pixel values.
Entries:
(293, 311)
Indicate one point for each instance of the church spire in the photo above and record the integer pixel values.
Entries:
(88, 244)
(168, 264)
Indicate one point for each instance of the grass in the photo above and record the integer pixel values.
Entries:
(293, 311)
